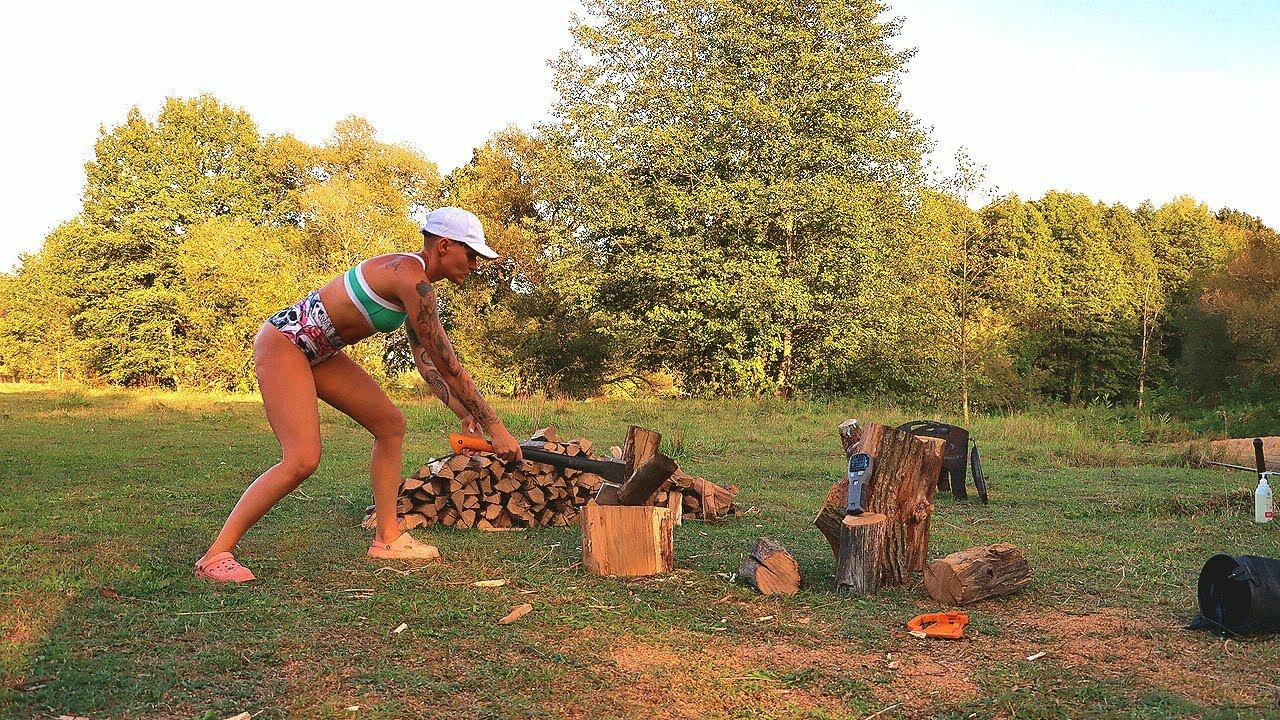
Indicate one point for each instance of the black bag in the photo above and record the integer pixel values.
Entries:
(1238, 595)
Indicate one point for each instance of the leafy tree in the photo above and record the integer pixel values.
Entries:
(1087, 353)
(148, 185)
(356, 194)
(745, 131)
(235, 275)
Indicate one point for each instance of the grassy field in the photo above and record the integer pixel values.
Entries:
(107, 498)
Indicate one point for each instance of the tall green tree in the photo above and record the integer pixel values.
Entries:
(744, 134)
(148, 185)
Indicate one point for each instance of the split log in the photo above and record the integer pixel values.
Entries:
(627, 541)
(862, 540)
(976, 573)
(918, 531)
(641, 445)
(770, 569)
(649, 475)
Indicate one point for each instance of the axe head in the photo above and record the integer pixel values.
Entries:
(608, 493)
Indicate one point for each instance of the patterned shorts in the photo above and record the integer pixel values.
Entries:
(308, 326)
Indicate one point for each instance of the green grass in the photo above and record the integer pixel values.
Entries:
(108, 497)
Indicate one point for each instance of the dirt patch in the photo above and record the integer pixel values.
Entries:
(25, 618)
(1111, 644)
(697, 678)
(705, 680)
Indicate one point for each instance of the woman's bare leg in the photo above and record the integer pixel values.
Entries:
(289, 396)
(347, 387)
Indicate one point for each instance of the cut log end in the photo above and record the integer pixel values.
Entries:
(770, 569)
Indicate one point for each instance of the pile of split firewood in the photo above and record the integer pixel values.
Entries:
(481, 491)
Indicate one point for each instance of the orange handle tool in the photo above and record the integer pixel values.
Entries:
(467, 442)
(949, 625)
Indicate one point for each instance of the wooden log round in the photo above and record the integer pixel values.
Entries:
(976, 573)
(861, 544)
(770, 569)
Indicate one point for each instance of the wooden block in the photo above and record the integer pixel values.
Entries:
(648, 476)
(976, 573)
(861, 544)
(626, 541)
(641, 444)
(770, 569)
(547, 434)
(675, 505)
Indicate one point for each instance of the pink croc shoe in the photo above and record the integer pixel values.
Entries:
(223, 568)
(403, 548)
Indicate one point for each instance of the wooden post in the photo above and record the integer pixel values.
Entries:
(861, 544)
(627, 540)
(976, 573)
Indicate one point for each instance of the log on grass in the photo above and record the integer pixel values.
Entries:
(626, 540)
(862, 539)
(976, 573)
(770, 569)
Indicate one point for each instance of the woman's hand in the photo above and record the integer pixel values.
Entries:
(471, 428)
(504, 445)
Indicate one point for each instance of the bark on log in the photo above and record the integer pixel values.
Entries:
(862, 539)
(770, 569)
(897, 489)
(976, 573)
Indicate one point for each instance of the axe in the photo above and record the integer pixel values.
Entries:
(618, 487)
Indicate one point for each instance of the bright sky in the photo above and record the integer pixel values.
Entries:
(1121, 100)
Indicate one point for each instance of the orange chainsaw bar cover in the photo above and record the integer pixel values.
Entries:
(949, 625)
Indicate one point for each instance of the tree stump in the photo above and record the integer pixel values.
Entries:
(976, 573)
(770, 569)
(627, 540)
(899, 488)
(861, 544)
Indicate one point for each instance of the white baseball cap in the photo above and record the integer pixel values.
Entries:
(460, 225)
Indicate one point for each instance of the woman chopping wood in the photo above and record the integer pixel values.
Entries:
(298, 358)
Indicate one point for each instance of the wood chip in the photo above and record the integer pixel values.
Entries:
(241, 716)
(401, 628)
(488, 583)
(516, 613)
(1037, 656)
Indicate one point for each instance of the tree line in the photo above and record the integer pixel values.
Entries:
(728, 199)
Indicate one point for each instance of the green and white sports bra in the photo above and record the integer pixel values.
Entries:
(382, 315)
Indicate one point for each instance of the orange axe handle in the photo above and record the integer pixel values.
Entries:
(467, 442)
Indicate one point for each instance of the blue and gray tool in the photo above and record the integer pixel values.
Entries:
(858, 474)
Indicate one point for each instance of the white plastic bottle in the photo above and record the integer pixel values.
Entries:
(1263, 504)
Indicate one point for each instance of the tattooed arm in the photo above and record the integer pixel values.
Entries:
(436, 382)
(439, 365)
